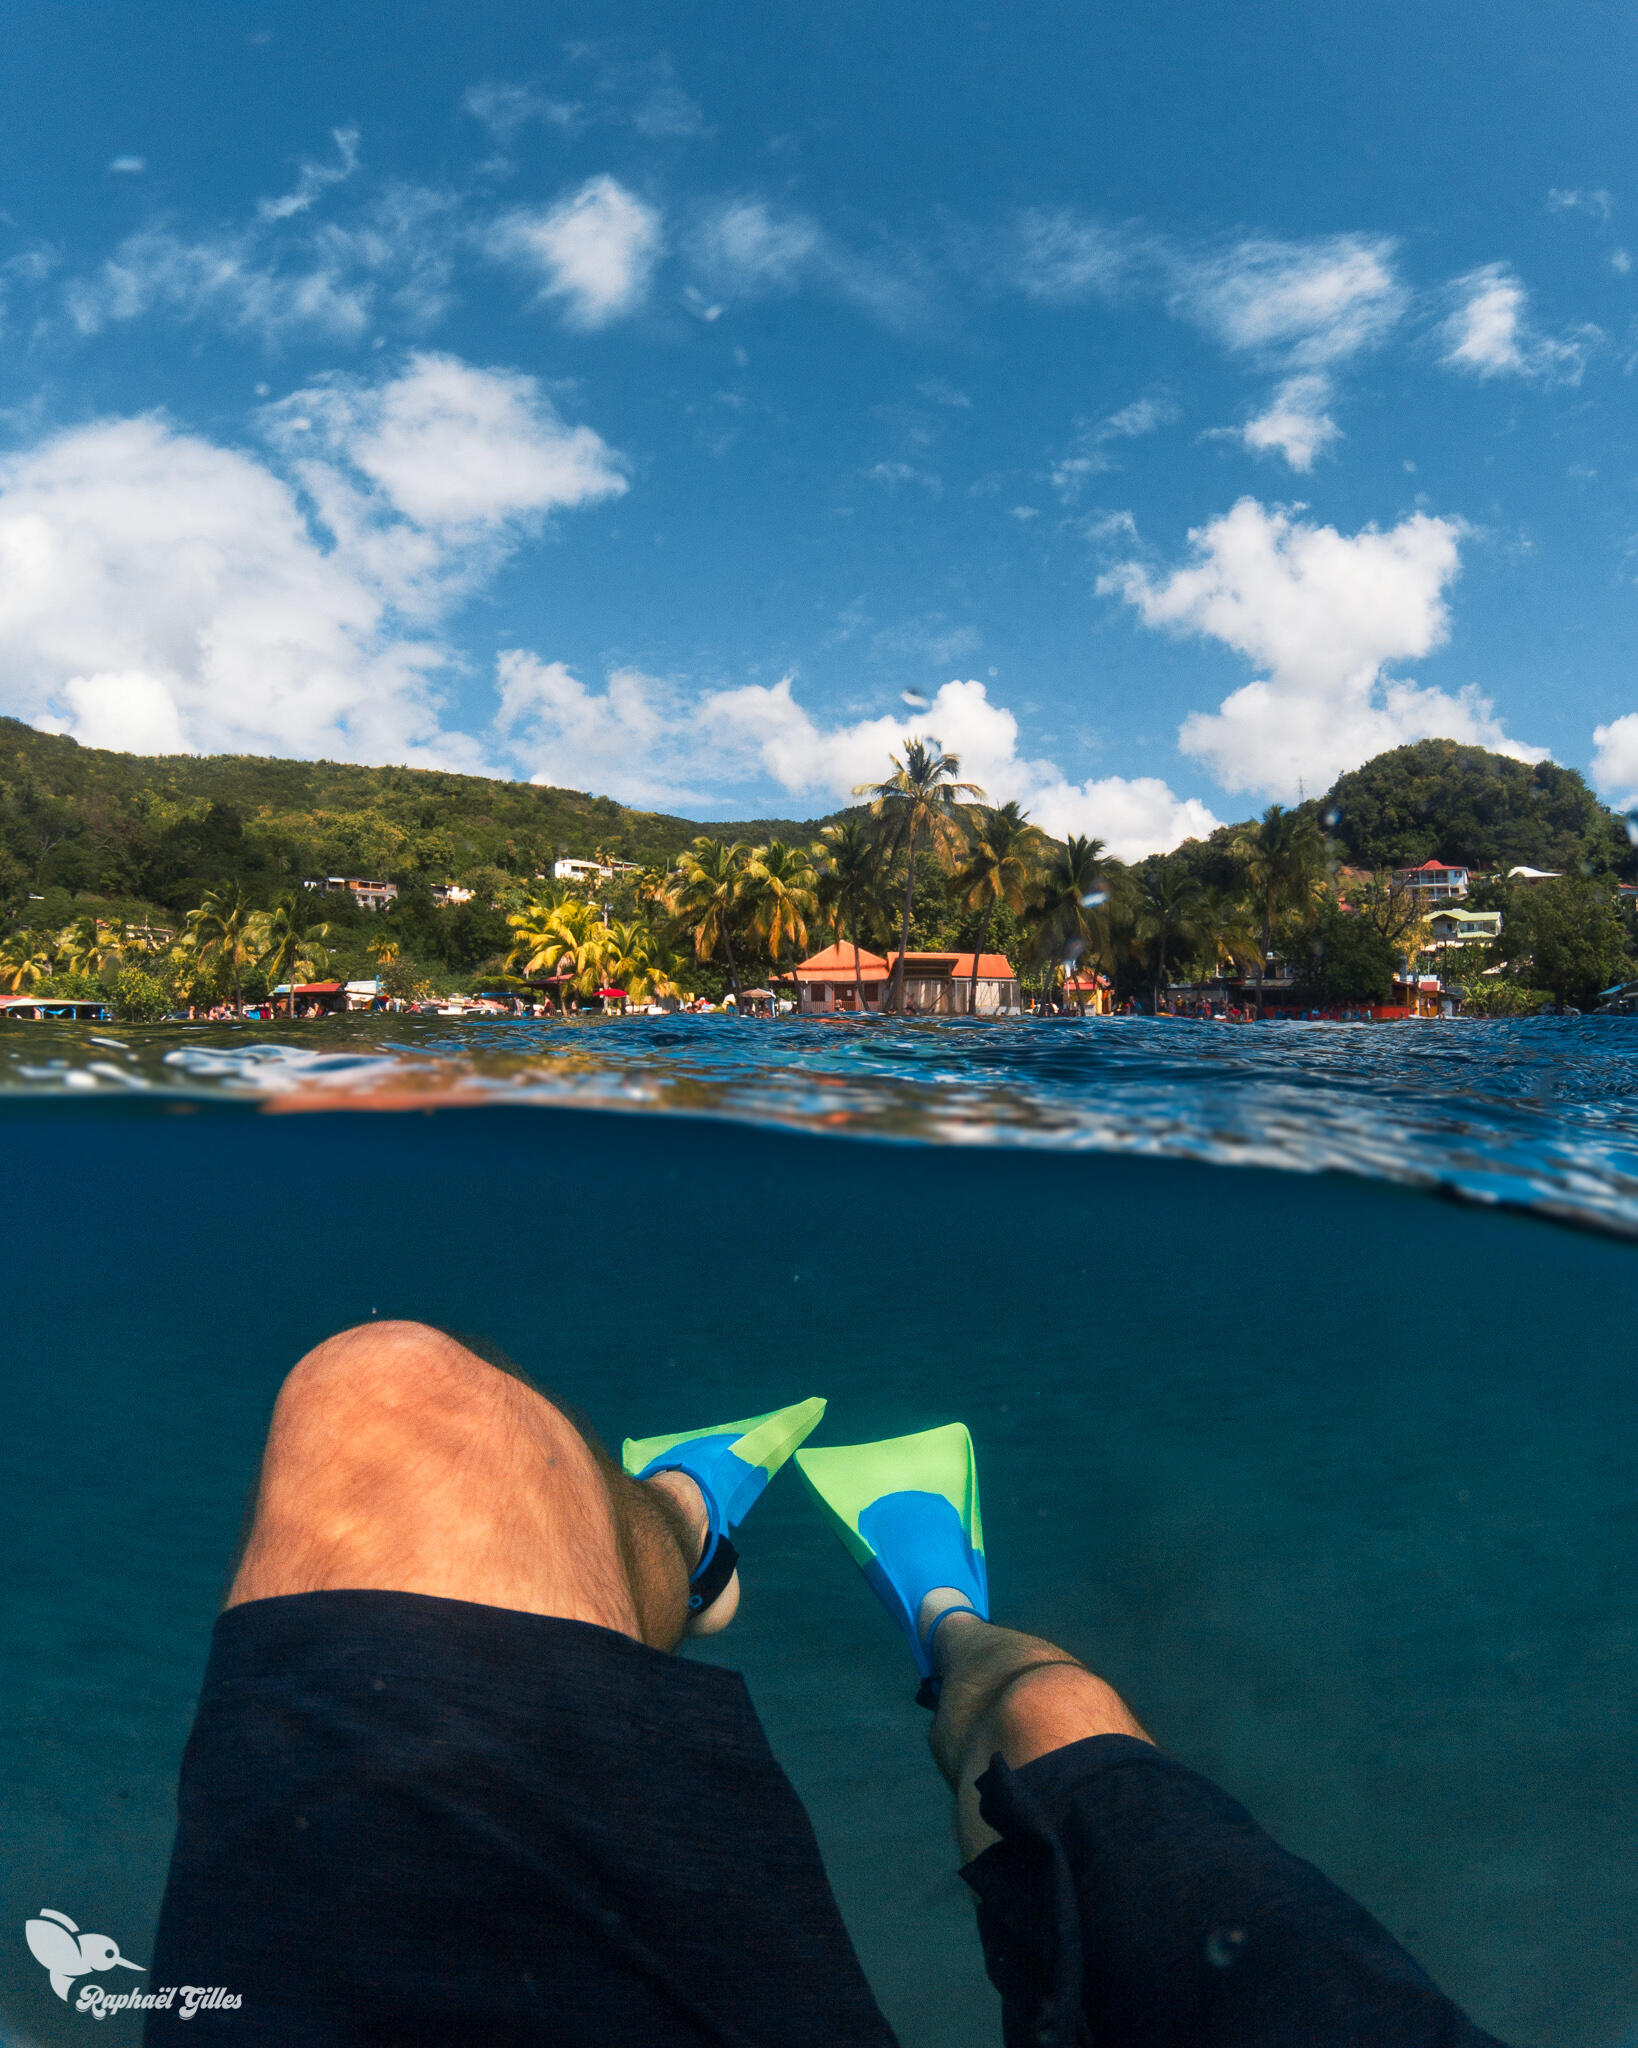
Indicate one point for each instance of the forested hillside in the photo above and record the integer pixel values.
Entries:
(160, 831)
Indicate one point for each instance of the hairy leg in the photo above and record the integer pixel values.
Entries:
(398, 1459)
(1006, 1693)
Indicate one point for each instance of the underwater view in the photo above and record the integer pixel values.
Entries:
(1297, 1359)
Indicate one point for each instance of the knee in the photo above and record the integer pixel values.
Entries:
(380, 1387)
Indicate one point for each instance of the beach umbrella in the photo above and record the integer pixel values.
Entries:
(612, 993)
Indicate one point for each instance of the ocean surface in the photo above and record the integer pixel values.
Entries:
(1299, 1359)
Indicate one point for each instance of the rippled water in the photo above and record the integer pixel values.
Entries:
(1540, 1114)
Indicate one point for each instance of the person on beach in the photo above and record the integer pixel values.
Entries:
(447, 1784)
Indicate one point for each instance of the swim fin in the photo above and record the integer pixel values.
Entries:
(730, 1463)
(907, 1510)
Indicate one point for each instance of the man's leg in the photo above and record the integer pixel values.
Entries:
(1123, 1894)
(400, 1461)
(444, 1784)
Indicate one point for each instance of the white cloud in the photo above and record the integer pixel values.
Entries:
(160, 592)
(1489, 333)
(644, 739)
(1296, 304)
(746, 248)
(129, 166)
(1620, 262)
(504, 108)
(315, 179)
(1615, 763)
(594, 250)
(1324, 614)
(1295, 424)
(450, 446)
(1596, 202)
(1060, 257)
(1088, 453)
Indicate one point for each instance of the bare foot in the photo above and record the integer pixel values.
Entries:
(684, 1494)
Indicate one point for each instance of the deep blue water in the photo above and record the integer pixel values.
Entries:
(1334, 1479)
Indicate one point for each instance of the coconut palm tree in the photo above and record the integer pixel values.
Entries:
(1071, 906)
(25, 961)
(284, 950)
(921, 799)
(1227, 933)
(781, 887)
(708, 890)
(561, 937)
(850, 887)
(1282, 858)
(999, 868)
(88, 945)
(641, 961)
(1170, 905)
(222, 929)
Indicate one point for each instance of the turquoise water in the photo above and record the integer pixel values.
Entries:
(1333, 1478)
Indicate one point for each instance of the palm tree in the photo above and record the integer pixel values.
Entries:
(1170, 907)
(1226, 933)
(1071, 906)
(561, 937)
(999, 868)
(1282, 858)
(780, 887)
(920, 799)
(284, 950)
(223, 928)
(710, 883)
(88, 945)
(641, 961)
(850, 891)
(25, 961)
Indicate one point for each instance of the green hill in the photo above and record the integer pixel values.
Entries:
(160, 830)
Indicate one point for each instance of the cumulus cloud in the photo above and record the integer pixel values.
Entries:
(1295, 423)
(1615, 762)
(644, 739)
(451, 446)
(161, 592)
(594, 250)
(1489, 334)
(1324, 614)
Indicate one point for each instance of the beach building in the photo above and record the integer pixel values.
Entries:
(367, 895)
(935, 984)
(447, 894)
(1453, 927)
(592, 870)
(1523, 874)
(1435, 880)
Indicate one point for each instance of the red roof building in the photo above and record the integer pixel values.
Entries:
(935, 984)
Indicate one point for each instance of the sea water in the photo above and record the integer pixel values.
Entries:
(1333, 1478)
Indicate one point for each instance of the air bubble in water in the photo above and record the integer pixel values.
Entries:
(1073, 951)
(1093, 898)
(1331, 819)
(1223, 1946)
(1632, 827)
(914, 698)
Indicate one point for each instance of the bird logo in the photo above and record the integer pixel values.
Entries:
(58, 1946)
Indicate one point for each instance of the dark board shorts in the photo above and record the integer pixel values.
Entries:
(405, 1820)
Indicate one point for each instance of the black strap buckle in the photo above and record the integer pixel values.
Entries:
(712, 1576)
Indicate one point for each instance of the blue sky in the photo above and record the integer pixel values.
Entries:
(1167, 408)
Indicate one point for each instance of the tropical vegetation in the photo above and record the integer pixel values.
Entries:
(178, 885)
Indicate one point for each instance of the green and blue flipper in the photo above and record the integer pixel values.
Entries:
(907, 1510)
(730, 1463)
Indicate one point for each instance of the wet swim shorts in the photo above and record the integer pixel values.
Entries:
(405, 1820)
(410, 1821)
